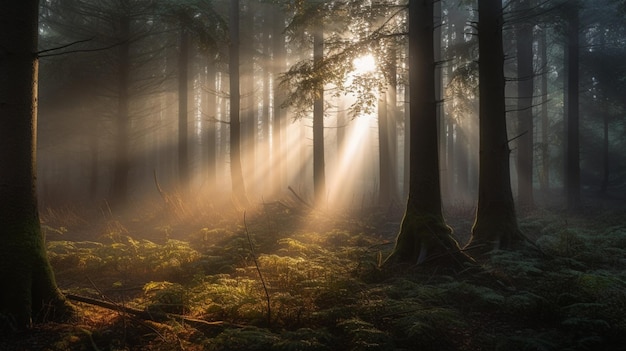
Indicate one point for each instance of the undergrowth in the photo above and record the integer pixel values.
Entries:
(328, 293)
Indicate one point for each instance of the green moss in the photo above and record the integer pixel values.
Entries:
(424, 238)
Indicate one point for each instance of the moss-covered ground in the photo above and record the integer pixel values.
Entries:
(320, 286)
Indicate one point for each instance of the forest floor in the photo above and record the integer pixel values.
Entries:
(283, 277)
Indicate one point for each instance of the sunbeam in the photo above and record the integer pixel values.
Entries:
(353, 160)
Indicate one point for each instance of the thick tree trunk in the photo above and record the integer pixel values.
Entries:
(29, 292)
(239, 190)
(319, 177)
(572, 144)
(524, 109)
(496, 222)
(423, 235)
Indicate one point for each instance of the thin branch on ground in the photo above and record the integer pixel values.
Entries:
(258, 269)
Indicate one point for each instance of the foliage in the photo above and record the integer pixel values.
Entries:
(355, 28)
(327, 292)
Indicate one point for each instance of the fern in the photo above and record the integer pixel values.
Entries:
(244, 339)
(531, 341)
(305, 339)
(361, 335)
(428, 327)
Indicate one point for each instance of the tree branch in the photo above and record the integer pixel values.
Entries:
(79, 50)
(64, 46)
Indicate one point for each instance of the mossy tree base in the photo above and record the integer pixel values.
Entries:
(495, 228)
(30, 293)
(426, 240)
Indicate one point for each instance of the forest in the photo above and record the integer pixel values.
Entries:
(313, 175)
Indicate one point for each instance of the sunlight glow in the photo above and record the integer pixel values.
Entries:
(364, 64)
(345, 182)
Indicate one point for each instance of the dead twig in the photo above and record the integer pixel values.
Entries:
(258, 269)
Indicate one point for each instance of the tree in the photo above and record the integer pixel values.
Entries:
(572, 144)
(119, 187)
(319, 177)
(544, 174)
(525, 91)
(495, 225)
(183, 105)
(423, 234)
(238, 186)
(279, 64)
(30, 291)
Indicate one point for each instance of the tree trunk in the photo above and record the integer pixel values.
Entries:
(264, 149)
(94, 146)
(407, 144)
(496, 223)
(119, 187)
(572, 144)
(30, 292)
(423, 235)
(439, 93)
(319, 177)
(544, 179)
(210, 126)
(249, 123)
(385, 186)
(278, 57)
(392, 117)
(183, 108)
(605, 154)
(239, 190)
(525, 109)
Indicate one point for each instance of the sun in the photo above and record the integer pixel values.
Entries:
(364, 64)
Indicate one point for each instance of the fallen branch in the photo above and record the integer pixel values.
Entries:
(147, 315)
(298, 197)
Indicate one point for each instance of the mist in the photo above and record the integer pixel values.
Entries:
(264, 174)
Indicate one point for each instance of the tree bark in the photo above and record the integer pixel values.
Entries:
(496, 222)
(544, 179)
(183, 108)
(249, 122)
(238, 186)
(278, 58)
(264, 149)
(424, 235)
(121, 167)
(572, 144)
(385, 182)
(210, 105)
(30, 292)
(525, 109)
(392, 121)
(319, 177)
